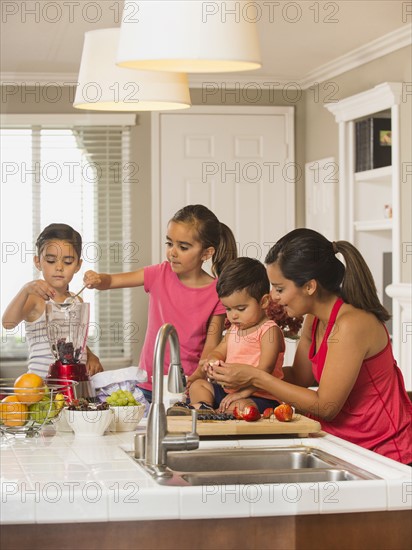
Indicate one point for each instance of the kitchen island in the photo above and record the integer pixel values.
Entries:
(56, 480)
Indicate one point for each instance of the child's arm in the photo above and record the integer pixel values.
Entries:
(214, 342)
(105, 281)
(28, 304)
(271, 344)
(93, 364)
(214, 348)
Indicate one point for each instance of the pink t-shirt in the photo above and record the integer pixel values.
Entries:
(377, 414)
(187, 309)
(246, 350)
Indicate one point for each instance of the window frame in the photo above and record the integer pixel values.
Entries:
(67, 121)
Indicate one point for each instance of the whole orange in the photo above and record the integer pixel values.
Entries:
(29, 388)
(12, 412)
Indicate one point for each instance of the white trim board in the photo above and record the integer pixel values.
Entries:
(68, 120)
(388, 43)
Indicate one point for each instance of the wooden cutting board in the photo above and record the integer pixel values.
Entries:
(299, 425)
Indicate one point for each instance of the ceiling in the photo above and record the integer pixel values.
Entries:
(302, 41)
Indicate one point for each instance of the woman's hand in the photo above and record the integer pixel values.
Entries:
(233, 375)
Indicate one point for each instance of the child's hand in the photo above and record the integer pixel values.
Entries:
(93, 365)
(40, 288)
(92, 280)
(231, 399)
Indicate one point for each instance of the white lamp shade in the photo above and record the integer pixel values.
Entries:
(103, 86)
(189, 36)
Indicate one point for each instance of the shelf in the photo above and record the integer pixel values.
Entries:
(378, 175)
(373, 225)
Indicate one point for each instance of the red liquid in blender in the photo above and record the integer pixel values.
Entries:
(67, 329)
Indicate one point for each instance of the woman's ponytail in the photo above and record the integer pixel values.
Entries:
(304, 254)
(358, 286)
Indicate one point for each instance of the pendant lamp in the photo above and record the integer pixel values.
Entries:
(189, 35)
(103, 86)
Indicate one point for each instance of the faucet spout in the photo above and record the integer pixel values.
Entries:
(158, 439)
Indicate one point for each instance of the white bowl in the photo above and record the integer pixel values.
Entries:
(88, 423)
(126, 419)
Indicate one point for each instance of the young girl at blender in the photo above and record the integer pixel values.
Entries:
(58, 259)
(180, 290)
(252, 338)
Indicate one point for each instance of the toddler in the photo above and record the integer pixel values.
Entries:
(252, 339)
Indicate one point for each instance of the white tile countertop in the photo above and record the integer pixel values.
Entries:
(57, 478)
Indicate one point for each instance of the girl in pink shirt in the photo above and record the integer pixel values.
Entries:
(344, 346)
(180, 290)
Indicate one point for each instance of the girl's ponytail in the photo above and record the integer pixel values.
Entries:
(226, 250)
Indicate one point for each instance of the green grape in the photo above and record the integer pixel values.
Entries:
(121, 398)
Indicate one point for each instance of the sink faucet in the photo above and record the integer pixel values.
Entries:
(158, 439)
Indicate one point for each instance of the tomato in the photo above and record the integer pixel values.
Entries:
(284, 412)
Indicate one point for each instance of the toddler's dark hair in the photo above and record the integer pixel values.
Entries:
(244, 274)
(61, 232)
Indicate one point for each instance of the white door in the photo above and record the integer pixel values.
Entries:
(237, 161)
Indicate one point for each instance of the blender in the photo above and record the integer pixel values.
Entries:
(67, 326)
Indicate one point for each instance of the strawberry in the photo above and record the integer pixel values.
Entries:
(267, 413)
(250, 413)
(284, 412)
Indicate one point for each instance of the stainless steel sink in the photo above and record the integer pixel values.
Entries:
(250, 477)
(248, 465)
(247, 459)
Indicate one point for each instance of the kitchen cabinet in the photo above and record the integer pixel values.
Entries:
(370, 205)
(379, 530)
(87, 493)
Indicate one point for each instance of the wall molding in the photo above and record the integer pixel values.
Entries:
(375, 49)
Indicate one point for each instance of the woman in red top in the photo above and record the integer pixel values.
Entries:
(344, 346)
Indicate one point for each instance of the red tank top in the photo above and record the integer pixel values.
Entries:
(378, 413)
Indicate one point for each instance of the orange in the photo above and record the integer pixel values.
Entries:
(29, 388)
(12, 412)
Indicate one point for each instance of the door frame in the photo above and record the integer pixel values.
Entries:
(287, 112)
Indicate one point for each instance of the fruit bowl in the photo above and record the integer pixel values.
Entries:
(88, 423)
(25, 409)
(127, 418)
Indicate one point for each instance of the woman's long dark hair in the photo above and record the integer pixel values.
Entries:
(304, 254)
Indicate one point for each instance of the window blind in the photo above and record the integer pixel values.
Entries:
(76, 174)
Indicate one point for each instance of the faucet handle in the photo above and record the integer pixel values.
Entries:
(176, 380)
(194, 421)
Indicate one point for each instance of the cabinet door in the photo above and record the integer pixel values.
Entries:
(321, 187)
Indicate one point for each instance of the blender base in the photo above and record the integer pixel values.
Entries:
(77, 372)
